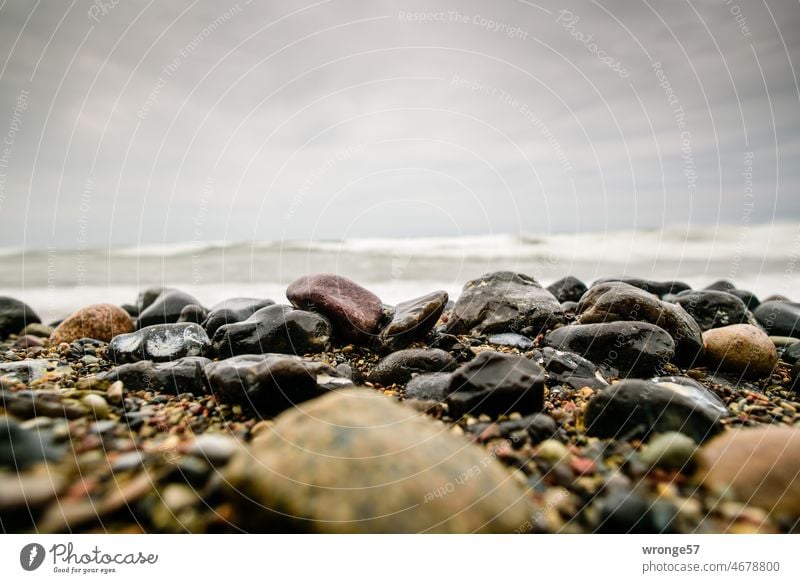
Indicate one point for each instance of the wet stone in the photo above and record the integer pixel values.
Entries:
(495, 383)
(276, 328)
(632, 348)
(270, 383)
(232, 311)
(184, 375)
(412, 320)
(159, 343)
(504, 301)
(400, 366)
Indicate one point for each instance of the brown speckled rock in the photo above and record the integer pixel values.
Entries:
(759, 466)
(98, 321)
(355, 312)
(741, 349)
(356, 462)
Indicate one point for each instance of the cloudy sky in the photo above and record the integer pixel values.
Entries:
(128, 122)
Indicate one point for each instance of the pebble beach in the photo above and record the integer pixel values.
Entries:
(621, 405)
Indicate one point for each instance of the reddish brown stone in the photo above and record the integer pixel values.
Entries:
(355, 312)
(98, 321)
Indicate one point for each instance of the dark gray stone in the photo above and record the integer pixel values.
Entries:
(400, 366)
(504, 301)
(14, 316)
(193, 313)
(185, 375)
(232, 311)
(636, 408)
(538, 426)
(270, 383)
(165, 309)
(779, 318)
(495, 383)
(159, 343)
(412, 320)
(659, 288)
(276, 328)
(434, 386)
(713, 309)
(632, 348)
(614, 301)
(20, 447)
(569, 368)
(567, 289)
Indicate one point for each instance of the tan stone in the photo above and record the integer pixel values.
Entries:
(758, 466)
(98, 321)
(741, 349)
(355, 461)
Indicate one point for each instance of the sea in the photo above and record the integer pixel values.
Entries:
(764, 259)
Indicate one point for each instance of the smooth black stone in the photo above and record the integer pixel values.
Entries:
(159, 343)
(434, 386)
(712, 308)
(616, 301)
(400, 366)
(659, 288)
(632, 348)
(412, 320)
(722, 285)
(271, 383)
(791, 354)
(569, 368)
(795, 378)
(232, 311)
(20, 447)
(495, 383)
(568, 289)
(193, 313)
(504, 301)
(165, 309)
(185, 375)
(14, 316)
(276, 328)
(779, 318)
(637, 408)
(133, 311)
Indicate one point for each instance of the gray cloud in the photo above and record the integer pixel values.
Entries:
(164, 122)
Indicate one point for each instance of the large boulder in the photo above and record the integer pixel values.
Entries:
(356, 462)
(659, 288)
(504, 301)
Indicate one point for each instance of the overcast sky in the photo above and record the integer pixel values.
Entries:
(144, 122)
